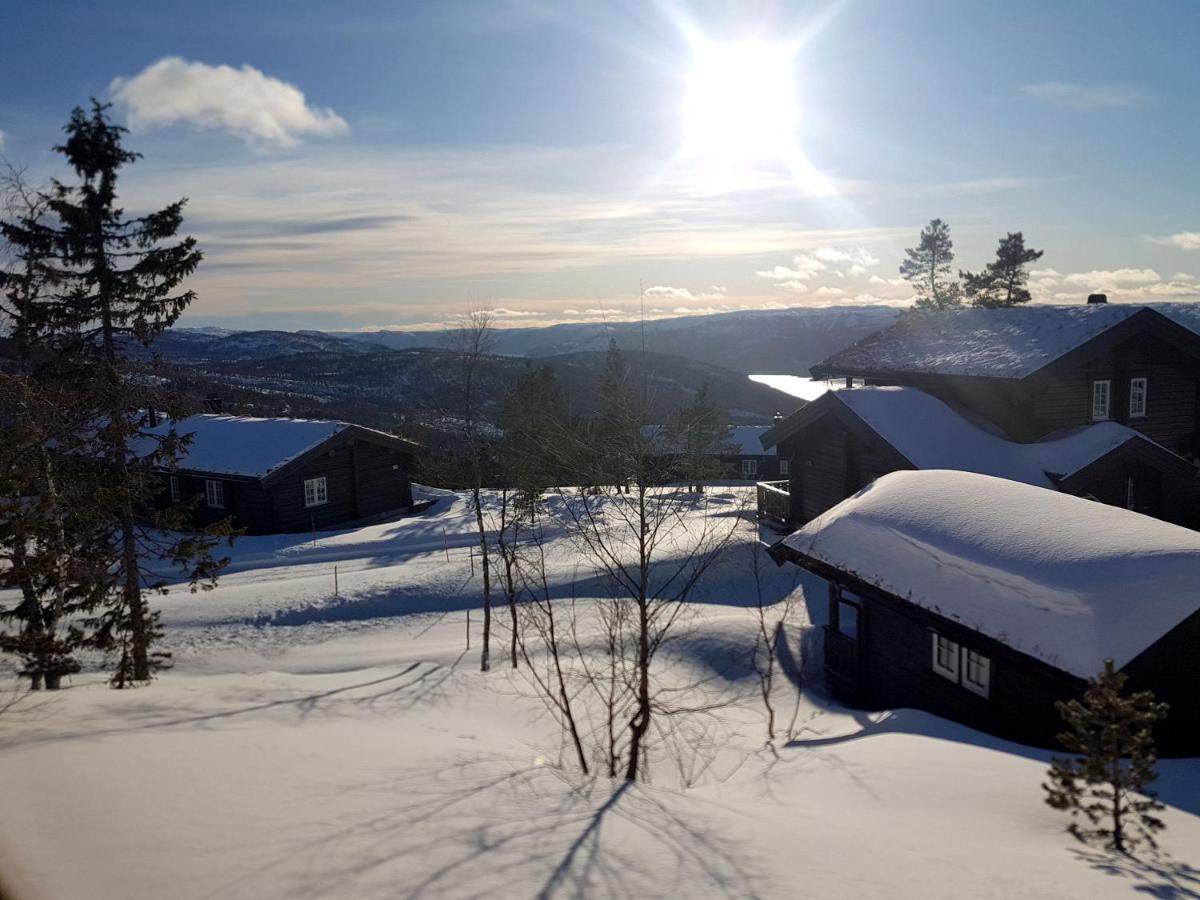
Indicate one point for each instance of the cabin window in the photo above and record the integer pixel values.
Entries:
(749, 467)
(1137, 398)
(977, 672)
(945, 656)
(847, 619)
(1101, 397)
(315, 493)
(173, 483)
(783, 467)
(214, 493)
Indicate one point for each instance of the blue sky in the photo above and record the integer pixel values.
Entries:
(377, 164)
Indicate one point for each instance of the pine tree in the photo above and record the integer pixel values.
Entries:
(532, 421)
(1108, 786)
(112, 281)
(1002, 282)
(927, 268)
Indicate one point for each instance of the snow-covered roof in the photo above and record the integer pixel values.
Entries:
(932, 435)
(241, 445)
(1067, 580)
(998, 343)
(745, 437)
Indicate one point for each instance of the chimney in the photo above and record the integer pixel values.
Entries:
(212, 403)
(778, 417)
(1097, 298)
(150, 417)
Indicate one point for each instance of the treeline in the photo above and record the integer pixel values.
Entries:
(83, 537)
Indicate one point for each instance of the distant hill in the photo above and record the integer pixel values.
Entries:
(751, 341)
(385, 387)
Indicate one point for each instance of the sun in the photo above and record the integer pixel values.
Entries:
(740, 105)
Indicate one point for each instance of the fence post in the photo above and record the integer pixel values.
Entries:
(335, 582)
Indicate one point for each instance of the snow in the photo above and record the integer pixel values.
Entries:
(946, 440)
(241, 445)
(745, 437)
(996, 343)
(307, 745)
(1067, 580)
(795, 385)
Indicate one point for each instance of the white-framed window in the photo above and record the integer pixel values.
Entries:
(945, 656)
(173, 485)
(214, 493)
(315, 492)
(783, 467)
(976, 672)
(749, 468)
(1101, 399)
(1137, 398)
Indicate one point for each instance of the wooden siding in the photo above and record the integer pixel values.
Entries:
(383, 481)
(1062, 398)
(828, 463)
(336, 465)
(246, 501)
(1171, 669)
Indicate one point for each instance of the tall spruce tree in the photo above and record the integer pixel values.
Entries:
(1003, 282)
(617, 446)
(927, 268)
(112, 281)
(1108, 784)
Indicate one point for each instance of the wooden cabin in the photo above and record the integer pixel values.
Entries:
(984, 600)
(1039, 378)
(848, 438)
(288, 475)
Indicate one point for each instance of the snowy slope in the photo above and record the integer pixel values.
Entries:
(1067, 580)
(308, 745)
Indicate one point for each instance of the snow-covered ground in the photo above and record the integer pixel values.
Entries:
(307, 745)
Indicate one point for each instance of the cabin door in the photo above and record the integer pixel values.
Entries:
(843, 645)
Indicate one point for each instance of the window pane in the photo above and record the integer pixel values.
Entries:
(848, 619)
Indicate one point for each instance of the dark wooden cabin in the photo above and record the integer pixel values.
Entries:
(848, 438)
(984, 601)
(1033, 371)
(1036, 376)
(288, 475)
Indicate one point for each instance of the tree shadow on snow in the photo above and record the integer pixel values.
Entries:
(483, 828)
(418, 683)
(1156, 876)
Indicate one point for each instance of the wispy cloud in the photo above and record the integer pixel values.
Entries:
(1112, 278)
(1086, 96)
(245, 102)
(1128, 285)
(1184, 240)
(1, 141)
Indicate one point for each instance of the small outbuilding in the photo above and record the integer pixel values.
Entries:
(985, 600)
(288, 475)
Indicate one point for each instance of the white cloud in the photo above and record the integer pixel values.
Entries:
(1183, 276)
(244, 102)
(665, 292)
(827, 291)
(1, 141)
(1085, 96)
(1111, 278)
(1184, 240)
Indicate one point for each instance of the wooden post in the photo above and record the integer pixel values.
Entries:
(335, 582)
(446, 544)
(312, 521)
(472, 562)
(468, 629)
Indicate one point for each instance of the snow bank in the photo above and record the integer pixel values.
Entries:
(1067, 580)
(931, 435)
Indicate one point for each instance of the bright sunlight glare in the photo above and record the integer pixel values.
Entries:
(741, 103)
